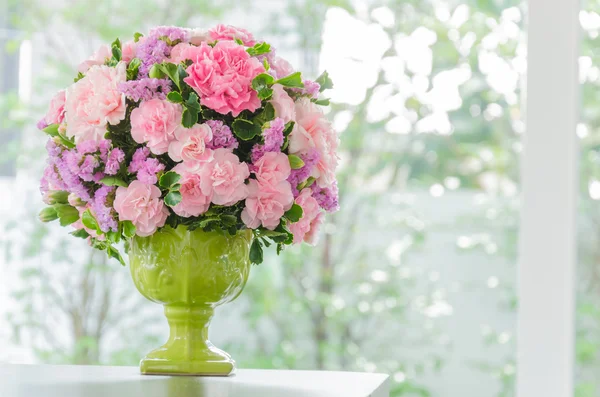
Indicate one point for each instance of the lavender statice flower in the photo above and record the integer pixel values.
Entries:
(103, 212)
(146, 88)
(299, 175)
(87, 167)
(42, 124)
(113, 161)
(146, 167)
(155, 49)
(328, 198)
(222, 136)
(273, 137)
(311, 88)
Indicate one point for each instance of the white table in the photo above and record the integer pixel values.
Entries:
(96, 381)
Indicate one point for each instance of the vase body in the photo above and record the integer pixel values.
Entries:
(190, 273)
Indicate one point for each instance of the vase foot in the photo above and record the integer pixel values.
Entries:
(212, 362)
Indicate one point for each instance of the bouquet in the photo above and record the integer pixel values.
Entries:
(206, 129)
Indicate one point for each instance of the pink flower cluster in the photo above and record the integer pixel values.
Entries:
(167, 127)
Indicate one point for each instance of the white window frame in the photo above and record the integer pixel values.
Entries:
(546, 275)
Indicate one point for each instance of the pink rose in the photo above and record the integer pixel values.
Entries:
(94, 101)
(128, 50)
(98, 58)
(282, 103)
(228, 32)
(313, 130)
(177, 52)
(194, 200)
(190, 144)
(56, 110)
(155, 122)
(266, 204)
(141, 204)
(222, 76)
(272, 168)
(225, 176)
(306, 228)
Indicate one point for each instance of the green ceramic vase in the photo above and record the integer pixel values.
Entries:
(190, 273)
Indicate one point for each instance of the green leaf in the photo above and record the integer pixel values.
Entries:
(323, 102)
(294, 214)
(156, 72)
(113, 181)
(48, 214)
(172, 199)
(280, 248)
(293, 80)
(256, 252)
(189, 118)
(193, 102)
(295, 161)
(239, 41)
(114, 253)
(169, 179)
(66, 214)
(116, 53)
(266, 64)
(113, 237)
(245, 130)
(136, 37)
(289, 127)
(89, 221)
(116, 43)
(128, 229)
(324, 81)
(78, 77)
(174, 97)
(133, 68)
(80, 233)
(267, 114)
(306, 183)
(51, 130)
(228, 220)
(258, 49)
(172, 71)
(262, 84)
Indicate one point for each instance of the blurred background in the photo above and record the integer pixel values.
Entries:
(414, 277)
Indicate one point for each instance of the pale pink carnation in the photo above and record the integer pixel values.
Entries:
(225, 176)
(154, 122)
(303, 229)
(198, 36)
(56, 110)
(222, 76)
(128, 50)
(272, 168)
(141, 204)
(313, 130)
(283, 104)
(228, 32)
(98, 58)
(177, 52)
(190, 144)
(266, 204)
(94, 101)
(280, 67)
(194, 200)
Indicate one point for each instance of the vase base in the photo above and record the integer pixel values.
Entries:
(191, 368)
(208, 362)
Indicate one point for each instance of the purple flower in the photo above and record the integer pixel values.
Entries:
(87, 147)
(42, 124)
(273, 135)
(146, 167)
(299, 175)
(146, 88)
(328, 198)
(113, 162)
(104, 214)
(222, 136)
(154, 49)
(311, 88)
(87, 167)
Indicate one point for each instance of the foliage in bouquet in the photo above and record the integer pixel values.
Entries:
(207, 129)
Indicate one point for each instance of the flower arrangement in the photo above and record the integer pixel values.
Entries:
(207, 129)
